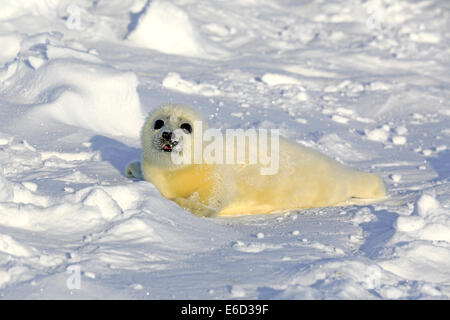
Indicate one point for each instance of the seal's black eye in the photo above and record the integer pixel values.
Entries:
(187, 127)
(158, 124)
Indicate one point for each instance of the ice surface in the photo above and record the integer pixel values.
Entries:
(366, 82)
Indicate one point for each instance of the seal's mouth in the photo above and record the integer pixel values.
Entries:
(167, 148)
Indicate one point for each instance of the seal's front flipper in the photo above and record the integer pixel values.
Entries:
(133, 170)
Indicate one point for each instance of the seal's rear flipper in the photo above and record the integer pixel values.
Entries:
(388, 200)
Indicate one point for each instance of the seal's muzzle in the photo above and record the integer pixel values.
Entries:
(168, 143)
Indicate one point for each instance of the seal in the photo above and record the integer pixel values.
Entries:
(305, 178)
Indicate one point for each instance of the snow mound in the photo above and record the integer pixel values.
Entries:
(108, 208)
(273, 79)
(76, 88)
(10, 47)
(174, 81)
(10, 246)
(429, 221)
(97, 98)
(378, 134)
(15, 9)
(6, 190)
(165, 27)
(97, 217)
(422, 242)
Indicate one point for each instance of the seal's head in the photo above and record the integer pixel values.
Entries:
(160, 134)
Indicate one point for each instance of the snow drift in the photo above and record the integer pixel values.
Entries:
(74, 87)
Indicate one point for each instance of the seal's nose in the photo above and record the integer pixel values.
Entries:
(167, 135)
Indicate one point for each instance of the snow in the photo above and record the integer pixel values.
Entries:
(365, 82)
(429, 221)
(11, 46)
(379, 134)
(273, 79)
(173, 81)
(180, 36)
(399, 140)
(70, 86)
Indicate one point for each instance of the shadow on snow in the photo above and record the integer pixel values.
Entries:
(115, 152)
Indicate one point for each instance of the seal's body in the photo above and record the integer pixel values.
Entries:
(305, 178)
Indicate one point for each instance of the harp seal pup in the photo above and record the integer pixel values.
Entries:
(305, 178)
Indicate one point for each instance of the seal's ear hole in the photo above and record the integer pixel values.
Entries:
(187, 127)
(158, 124)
